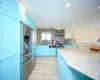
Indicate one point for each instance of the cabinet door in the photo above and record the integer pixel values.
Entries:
(52, 51)
(0, 45)
(42, 50)
(76, 74)
(11, 68)
(63, 69)
(10, 36)
(0, 34)
(45, 50)
(11, 7)
(86, 78)
(0, 70)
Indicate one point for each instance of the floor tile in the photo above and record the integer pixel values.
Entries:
(45, 69)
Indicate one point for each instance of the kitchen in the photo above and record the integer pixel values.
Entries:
(49, 39)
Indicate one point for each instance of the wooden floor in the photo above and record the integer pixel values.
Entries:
(45, 69)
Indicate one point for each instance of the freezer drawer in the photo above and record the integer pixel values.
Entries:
(26, 69)
(26, 57)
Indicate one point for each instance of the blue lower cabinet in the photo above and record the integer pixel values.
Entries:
(42, 50)
(86, 77)
(70, 46)
(52, 51)
(63, 69)
(65, 72)
(11, 68)
(76, 75)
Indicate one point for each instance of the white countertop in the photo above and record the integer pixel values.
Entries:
(83, 60)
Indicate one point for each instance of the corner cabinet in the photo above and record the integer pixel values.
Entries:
(65, 72)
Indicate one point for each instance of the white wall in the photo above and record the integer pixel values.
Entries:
(68, 33)
(85, 35)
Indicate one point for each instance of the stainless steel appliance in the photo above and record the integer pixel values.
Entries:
(27, 51)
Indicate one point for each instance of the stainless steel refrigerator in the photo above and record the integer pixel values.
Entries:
(28, 58)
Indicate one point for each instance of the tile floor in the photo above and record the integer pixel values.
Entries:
(45, 69)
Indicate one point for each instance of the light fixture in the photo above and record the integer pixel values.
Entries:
(73, 24)
(91, 24)
(38, 23)
(68, 5)
(99, 7)
(57, 23)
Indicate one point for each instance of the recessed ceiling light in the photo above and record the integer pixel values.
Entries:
(73, 24)
(99, 7)
(91, 24)
(38, 24)
(57, 23)
(68, 5)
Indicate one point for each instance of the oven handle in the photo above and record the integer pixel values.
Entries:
(29, 61)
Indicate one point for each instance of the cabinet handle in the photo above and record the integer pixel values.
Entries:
(0, 1)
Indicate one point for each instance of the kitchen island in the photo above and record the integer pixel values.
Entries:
(78, 64)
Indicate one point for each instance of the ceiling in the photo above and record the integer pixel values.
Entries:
(52, 13)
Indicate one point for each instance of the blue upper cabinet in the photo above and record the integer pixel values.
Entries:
(70, 46)
(52, 51)
(11, 7)
(10, 36)
(25, 18)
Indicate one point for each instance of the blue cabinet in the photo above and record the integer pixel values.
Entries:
(10, 68)
(63, 69)
(11, 7)
(66, 72)
(0, 70)
(9, 48)
(76, 75)
(86, 77)
(52, 51)
(70, 46)
(10, 36)
(42, 50)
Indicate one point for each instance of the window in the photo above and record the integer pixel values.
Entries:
(45, 36)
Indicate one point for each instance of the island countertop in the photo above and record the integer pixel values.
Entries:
(83, 60)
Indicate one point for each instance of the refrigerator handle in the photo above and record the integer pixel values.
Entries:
(28, 61)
